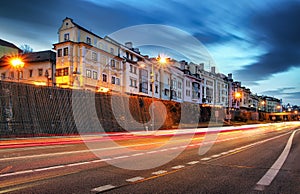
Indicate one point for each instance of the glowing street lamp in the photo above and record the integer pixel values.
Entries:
(237, 96)
(17, 64)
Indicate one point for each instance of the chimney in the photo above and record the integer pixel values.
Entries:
(229, 75)
(128, 45)
(201, 66)
(213, 69)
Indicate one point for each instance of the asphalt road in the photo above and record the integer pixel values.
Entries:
(236, 161)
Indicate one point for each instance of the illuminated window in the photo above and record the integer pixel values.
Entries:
(88, 73)
(66, 71)
(66, 51)
(95, 75)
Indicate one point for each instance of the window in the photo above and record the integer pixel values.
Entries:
(179, 95)
(166, 92)
(20, 74)
(188, 83)
(59, 52)
(188, 93)
(156, 89)
(88, 40)
(66, 51)
(133, 82)
(65, 71)
(117, 64)
(112, 50)
(134, 70)
(179, 85)
(95, 75)
(104, 77)
(113, 63)
(94, 56)
(156, 77)
(66, 36)
(130, 69)
(40, 72)
(30, 72)
(12, 75)
(115, 80)
(3, 76)
(88, 73)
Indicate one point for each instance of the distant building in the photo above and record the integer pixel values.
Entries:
(8, 49)
(39, 68)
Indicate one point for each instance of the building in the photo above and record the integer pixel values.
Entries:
(38, 69)
(8, 49)
(87, 61)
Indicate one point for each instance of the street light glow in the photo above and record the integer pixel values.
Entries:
(237, 95)
(17, 63)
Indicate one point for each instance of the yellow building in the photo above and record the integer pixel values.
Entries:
(85, 60)
(37, 68)
(7, 48)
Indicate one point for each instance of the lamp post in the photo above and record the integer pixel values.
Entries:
(17, 64)
(237, 96)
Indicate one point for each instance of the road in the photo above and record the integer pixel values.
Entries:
(255, 159)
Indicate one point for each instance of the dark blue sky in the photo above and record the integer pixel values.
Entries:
(258, 41)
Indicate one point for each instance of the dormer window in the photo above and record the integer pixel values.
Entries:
(88, 40)
(66, 37)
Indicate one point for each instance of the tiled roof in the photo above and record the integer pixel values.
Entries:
(8, 44)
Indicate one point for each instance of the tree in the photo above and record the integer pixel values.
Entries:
(26, 48)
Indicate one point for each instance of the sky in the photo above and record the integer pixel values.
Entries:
(258, 41)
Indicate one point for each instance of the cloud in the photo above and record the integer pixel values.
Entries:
(278, 31)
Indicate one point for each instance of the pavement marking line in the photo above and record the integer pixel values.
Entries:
(48, 168)
(16, 173)
(134, 179)
(205, 159)
(267, 179)
(152, 152)
(159, 172)
(216, 155)
(178, 167)
(193, 162)
(138, 154)
(103, 188)
(120, 157)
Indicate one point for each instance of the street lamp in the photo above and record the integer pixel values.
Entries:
(237, 96)
(17, 64)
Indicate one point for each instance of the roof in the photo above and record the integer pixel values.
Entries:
(8, 44)
(82, 28)
(40, 56)
(47, 55)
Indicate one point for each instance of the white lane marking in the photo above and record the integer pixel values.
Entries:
(48, 168)
(178, 167)
(215, 156)
(272, 172)
(224, 153)
(174, 148)
(193, 162)
(138, 154)
(205, 159)
(134, 179)
(163, 150)
(152, 152)
(103, 188)
(120, 157)
(15, 173)
(159, 172)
